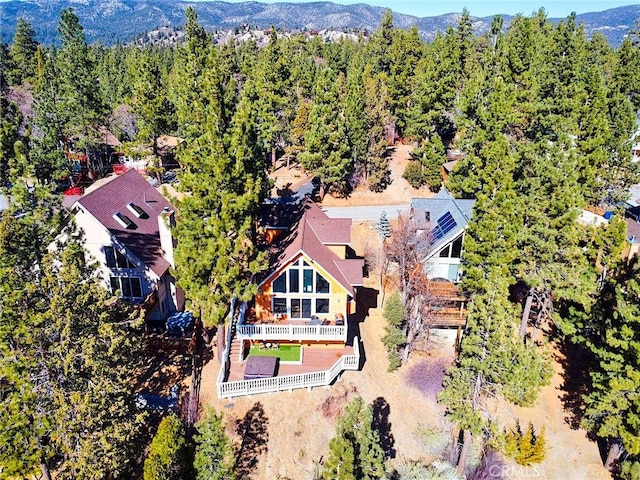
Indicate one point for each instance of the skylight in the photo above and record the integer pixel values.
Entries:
(123, 220)
(136, 210)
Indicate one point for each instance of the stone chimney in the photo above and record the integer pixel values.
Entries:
(166, 221)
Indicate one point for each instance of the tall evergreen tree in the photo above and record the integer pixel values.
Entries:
(10, 120)
(23, 52)
(214, 453)
(327, 154)
(355, 452)
(224, 180)
(71, 405)
(167, 458)
(613, 404)
(81, 104)
(50, 123)
(150, 102)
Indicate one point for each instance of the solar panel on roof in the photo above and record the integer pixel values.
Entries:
(446, 223)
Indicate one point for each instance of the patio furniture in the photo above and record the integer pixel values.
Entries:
(260, 367)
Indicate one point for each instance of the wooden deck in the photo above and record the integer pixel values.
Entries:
(315, 359)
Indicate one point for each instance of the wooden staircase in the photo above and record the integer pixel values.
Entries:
(234, 352)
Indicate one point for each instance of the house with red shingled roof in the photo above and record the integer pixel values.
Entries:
(305, 303)
(127, 231)
(310, 274)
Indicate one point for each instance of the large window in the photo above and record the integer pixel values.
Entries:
(300, 277)
(300, 292)
(454, 250)
(115, 259)
(129, 287)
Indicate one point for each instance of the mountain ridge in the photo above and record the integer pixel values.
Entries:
(114, 21)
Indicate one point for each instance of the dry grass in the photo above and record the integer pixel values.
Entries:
(333, 405)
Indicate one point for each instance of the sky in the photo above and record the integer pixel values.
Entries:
(481, 8)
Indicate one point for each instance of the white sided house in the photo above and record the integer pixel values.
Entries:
(127, 230)
(444, 219)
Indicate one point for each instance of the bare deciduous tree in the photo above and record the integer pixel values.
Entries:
(405, 252)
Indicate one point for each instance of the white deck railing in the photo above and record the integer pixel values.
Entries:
(292, 332)
(290, 382)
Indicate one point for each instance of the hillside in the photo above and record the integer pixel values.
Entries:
(113, 21)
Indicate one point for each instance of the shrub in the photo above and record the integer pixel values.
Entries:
(434, 441)
(526, 448)
(414, 175)
(395, 338)
(491, 467)
(427, 376)
(438, 470)
(395, 360)
(333, 405)
(168, 451)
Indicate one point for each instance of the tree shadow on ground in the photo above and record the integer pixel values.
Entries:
(381, 411)
(165, 362)
(366, 299)
(252, 430)
(575, 363)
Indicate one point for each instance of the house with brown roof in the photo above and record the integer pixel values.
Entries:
(305, 302)
(127, 231)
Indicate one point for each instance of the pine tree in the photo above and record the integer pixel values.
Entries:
(613, 405)
(150, 103)
(405, 53)
(91, 349)
(358, 441)
(73, 351)
(10, 119)
(395, 338)
(383, 227)
(214, 455)
(326, 153)
(47, 149)
(526, 448)
(167, 453)
(378, 116)
(340, 463)
(80, 99)
(431, 155)
(272, 80)
(224, 180)
(23, 53)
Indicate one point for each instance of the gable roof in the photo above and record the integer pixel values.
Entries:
(142, 236)
(443, 216)
(311, 235)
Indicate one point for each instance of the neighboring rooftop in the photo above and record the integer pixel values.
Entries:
(443, 216)
(128, 206)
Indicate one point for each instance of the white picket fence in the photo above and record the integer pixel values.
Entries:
(287, 382)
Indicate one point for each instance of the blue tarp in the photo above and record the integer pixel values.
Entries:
(180, 323)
